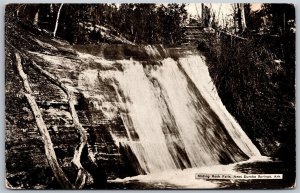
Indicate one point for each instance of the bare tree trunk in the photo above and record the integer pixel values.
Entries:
(82, 173)
(202, 12)
(36, 18)
(49, 150)
(198, 12)
(237, 18)
(57, 19)
(51, 8)
(243, 17)
(240, 17)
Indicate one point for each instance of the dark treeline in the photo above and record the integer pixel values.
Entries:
(82, 23)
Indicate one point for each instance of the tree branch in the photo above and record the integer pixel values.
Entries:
(57, 19)
(82, 173)
(49, 150)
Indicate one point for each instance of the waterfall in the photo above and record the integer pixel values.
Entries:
(173, 116)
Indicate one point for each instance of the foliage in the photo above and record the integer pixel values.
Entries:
(255, 78)
(282, 16)
(149, 23)
(140, 23)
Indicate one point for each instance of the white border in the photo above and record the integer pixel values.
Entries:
(2, 87)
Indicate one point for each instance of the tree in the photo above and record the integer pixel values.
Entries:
(57, 19)
(282, 16)
(239, 17)
(242, 17)
(139, 23)
(206, 15)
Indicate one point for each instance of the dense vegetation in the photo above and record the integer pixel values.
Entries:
(254, 72)
(81, 23)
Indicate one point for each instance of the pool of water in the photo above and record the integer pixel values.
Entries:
(185, 179)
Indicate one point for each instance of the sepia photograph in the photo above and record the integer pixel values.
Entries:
(145, 96)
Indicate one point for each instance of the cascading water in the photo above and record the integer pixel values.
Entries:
(173, 116)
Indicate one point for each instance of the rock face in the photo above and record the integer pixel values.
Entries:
(27, 166)
(144, 109)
